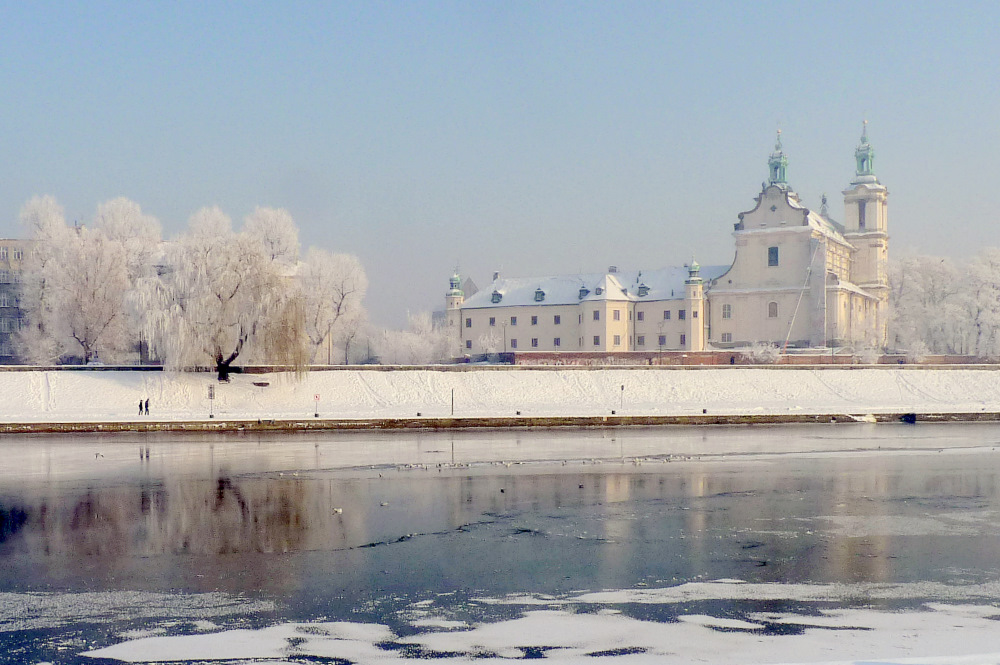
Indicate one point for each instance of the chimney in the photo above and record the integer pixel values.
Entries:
(496, 275)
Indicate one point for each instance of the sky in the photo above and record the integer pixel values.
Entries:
(533, 138)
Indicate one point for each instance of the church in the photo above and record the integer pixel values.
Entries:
(799, 279)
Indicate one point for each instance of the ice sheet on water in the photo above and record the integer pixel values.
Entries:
(33, 611)
(932, 634)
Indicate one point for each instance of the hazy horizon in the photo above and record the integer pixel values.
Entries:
(533, 139)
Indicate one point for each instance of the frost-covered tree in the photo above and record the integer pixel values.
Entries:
(420, 344)
(218, 294)
(333, 287)
(77, 280)
(927, 313)
(276, 232)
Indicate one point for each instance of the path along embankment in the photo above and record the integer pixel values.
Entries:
(45, 400)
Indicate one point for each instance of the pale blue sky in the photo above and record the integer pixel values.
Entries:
(534, 138)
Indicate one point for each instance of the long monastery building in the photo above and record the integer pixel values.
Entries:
(798, 279)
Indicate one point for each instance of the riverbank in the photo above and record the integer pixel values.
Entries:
(441, 398)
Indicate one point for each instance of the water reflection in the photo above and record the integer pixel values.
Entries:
(313, 528)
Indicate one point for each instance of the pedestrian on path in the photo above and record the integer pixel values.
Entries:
(147, 406)
(140, 407)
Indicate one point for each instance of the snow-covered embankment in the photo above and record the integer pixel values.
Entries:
(82, 396)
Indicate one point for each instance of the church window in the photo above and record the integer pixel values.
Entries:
(468, 323)
(556, 342)
(861, 215)
(662, 340)
(683, 339)
(493, 320)
(468, 343)
(666, 315)
(727, 337)
(534, 342)
(772, 310)
(772, 256)
(556, 320)
(618, 340)
(597, 340)
(597, 315)
(727, 311)
(534, 320)
(513, 320)
(640, 316)
(681, 314)
(617, 315)
(640, 340)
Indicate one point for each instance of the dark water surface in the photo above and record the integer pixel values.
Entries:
(102, 535)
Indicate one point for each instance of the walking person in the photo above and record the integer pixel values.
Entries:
(140, 407)
(147, 406)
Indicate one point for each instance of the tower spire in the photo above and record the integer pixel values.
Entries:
(777, 164)
(864, 155)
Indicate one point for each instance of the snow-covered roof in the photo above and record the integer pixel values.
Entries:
(662, 284)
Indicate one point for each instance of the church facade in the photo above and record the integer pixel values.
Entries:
(798, 279)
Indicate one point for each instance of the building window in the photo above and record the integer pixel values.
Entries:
(640, 340)
(618, 340)
(493, 320)
(3, 253)
(772, 310)
(681, 314)
(727, 337)
(662, 340)
(556, 319)
(597, 340)
(534, 320)
(727, 311)
(468, 343)
(4, 300)
(556, 342)
(534, 342)
(640, 316)
(468, 323)
(579, 318)
(683, 339)
(597, 315)
(666, 315)
(18, 255)
(694, 314)
(861, 215)
(617, 315)
(513, 343)
(772, 256)
(513, 320)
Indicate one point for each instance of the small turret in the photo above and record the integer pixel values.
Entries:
(694, 301)
(777, 165)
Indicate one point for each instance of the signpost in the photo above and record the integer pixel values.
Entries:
(211, 401)
(316, 399)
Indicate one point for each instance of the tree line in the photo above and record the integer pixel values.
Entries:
(113, 289)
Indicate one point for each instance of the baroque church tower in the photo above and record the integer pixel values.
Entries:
(866, 228)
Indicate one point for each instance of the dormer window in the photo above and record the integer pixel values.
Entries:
(598, 290)
(539, 295)
(643, 290)
(497, 296)
(584, 292)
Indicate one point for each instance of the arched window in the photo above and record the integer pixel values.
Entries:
(772, 310)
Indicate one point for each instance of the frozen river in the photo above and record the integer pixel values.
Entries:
(785, 544)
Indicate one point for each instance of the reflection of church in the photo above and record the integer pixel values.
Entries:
(798, 279)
